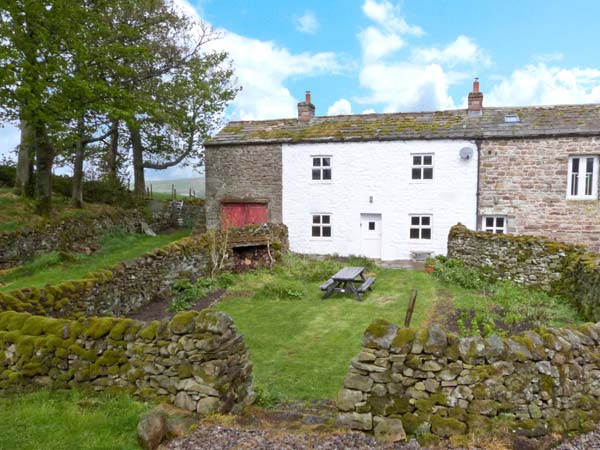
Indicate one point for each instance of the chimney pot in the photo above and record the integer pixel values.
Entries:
(306, 110)
(475, 100)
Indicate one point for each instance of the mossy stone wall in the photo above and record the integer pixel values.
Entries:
(197, 360)
(564, 269)
(128, 286)
(18, 246)
(440, 385)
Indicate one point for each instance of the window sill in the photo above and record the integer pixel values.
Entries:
(420, 241)
(321, 182)
(582, 199)
(314, 239)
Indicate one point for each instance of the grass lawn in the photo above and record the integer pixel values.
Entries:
(301, 346)
(65, 420)
(18, 213)
(51, 268)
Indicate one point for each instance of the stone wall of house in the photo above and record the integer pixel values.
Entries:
(526, 181)
(197, 360)
(128, 286)
(434, 384)
(244, 173)
(563, 269)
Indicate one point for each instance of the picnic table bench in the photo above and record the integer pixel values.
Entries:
(345, 281)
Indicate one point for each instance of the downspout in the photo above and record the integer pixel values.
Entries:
(478, 194)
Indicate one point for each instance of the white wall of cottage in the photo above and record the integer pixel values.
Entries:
(381, 170)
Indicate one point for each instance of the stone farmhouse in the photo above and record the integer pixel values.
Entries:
(390, 186)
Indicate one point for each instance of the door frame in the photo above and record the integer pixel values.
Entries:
(362, 233)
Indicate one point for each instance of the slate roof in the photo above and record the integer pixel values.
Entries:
(534, 121)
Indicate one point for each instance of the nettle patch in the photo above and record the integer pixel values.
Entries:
(506, 307)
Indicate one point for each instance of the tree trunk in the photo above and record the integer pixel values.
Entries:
(44, 156)
(139, 182)
(77, 187)
(24, 178)
(113, 152)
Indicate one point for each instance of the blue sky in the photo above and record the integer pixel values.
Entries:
(413, 55)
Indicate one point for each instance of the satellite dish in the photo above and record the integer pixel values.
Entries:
(466, 153)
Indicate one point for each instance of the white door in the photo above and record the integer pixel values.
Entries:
(370, 233)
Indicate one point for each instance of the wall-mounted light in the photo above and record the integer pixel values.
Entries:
(370, 199)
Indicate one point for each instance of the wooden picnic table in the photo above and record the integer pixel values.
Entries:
(345, 280)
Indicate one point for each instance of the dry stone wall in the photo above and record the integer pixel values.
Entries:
(19, 246)
(128, 286)
(197, 360)
(564, 269)
(438, 385)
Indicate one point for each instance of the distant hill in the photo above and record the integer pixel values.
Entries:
(182, 186)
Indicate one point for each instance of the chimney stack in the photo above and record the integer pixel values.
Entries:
(475, 102)
(306, 110)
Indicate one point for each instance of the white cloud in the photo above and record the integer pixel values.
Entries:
(376, 44)
(548, 57)
(417, 84)
(307, 23)
(389, 17)
(543, 85)
(462, 50)
(262, 67)
(339, 107)
(406, 87)
(369, 111)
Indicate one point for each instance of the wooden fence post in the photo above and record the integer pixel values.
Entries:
(410, 309)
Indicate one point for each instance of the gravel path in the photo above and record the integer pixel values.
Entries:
(216, 437)
(587, 441)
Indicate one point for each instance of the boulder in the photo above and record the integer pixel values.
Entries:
(151, 430)
(390, 430)
(355, 421)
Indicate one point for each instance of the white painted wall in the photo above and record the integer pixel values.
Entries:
(381, 170)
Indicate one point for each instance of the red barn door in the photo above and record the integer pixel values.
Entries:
(240, 214)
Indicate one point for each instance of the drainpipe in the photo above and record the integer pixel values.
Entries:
(478, 194)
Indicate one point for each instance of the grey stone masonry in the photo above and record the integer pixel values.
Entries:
(243, 173)
(526, 181)
(536, 383)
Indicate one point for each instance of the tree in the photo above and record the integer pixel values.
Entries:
(73, 71)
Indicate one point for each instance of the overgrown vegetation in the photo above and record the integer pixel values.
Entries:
(55, 267)
(17, 213)
(507, 306)
(59, 420)
(187, 293)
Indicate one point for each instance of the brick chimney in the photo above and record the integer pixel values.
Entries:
(475, 107)
(306, 110)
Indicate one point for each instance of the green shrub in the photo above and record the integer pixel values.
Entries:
(265, 398)
(453, 271)
(283, 289)
(225, 280)
(7, 176)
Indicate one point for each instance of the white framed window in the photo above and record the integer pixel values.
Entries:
(583, 177)
(422, 167)
(321, 168)
(420, 227)
(494, 224)
(321, 226)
